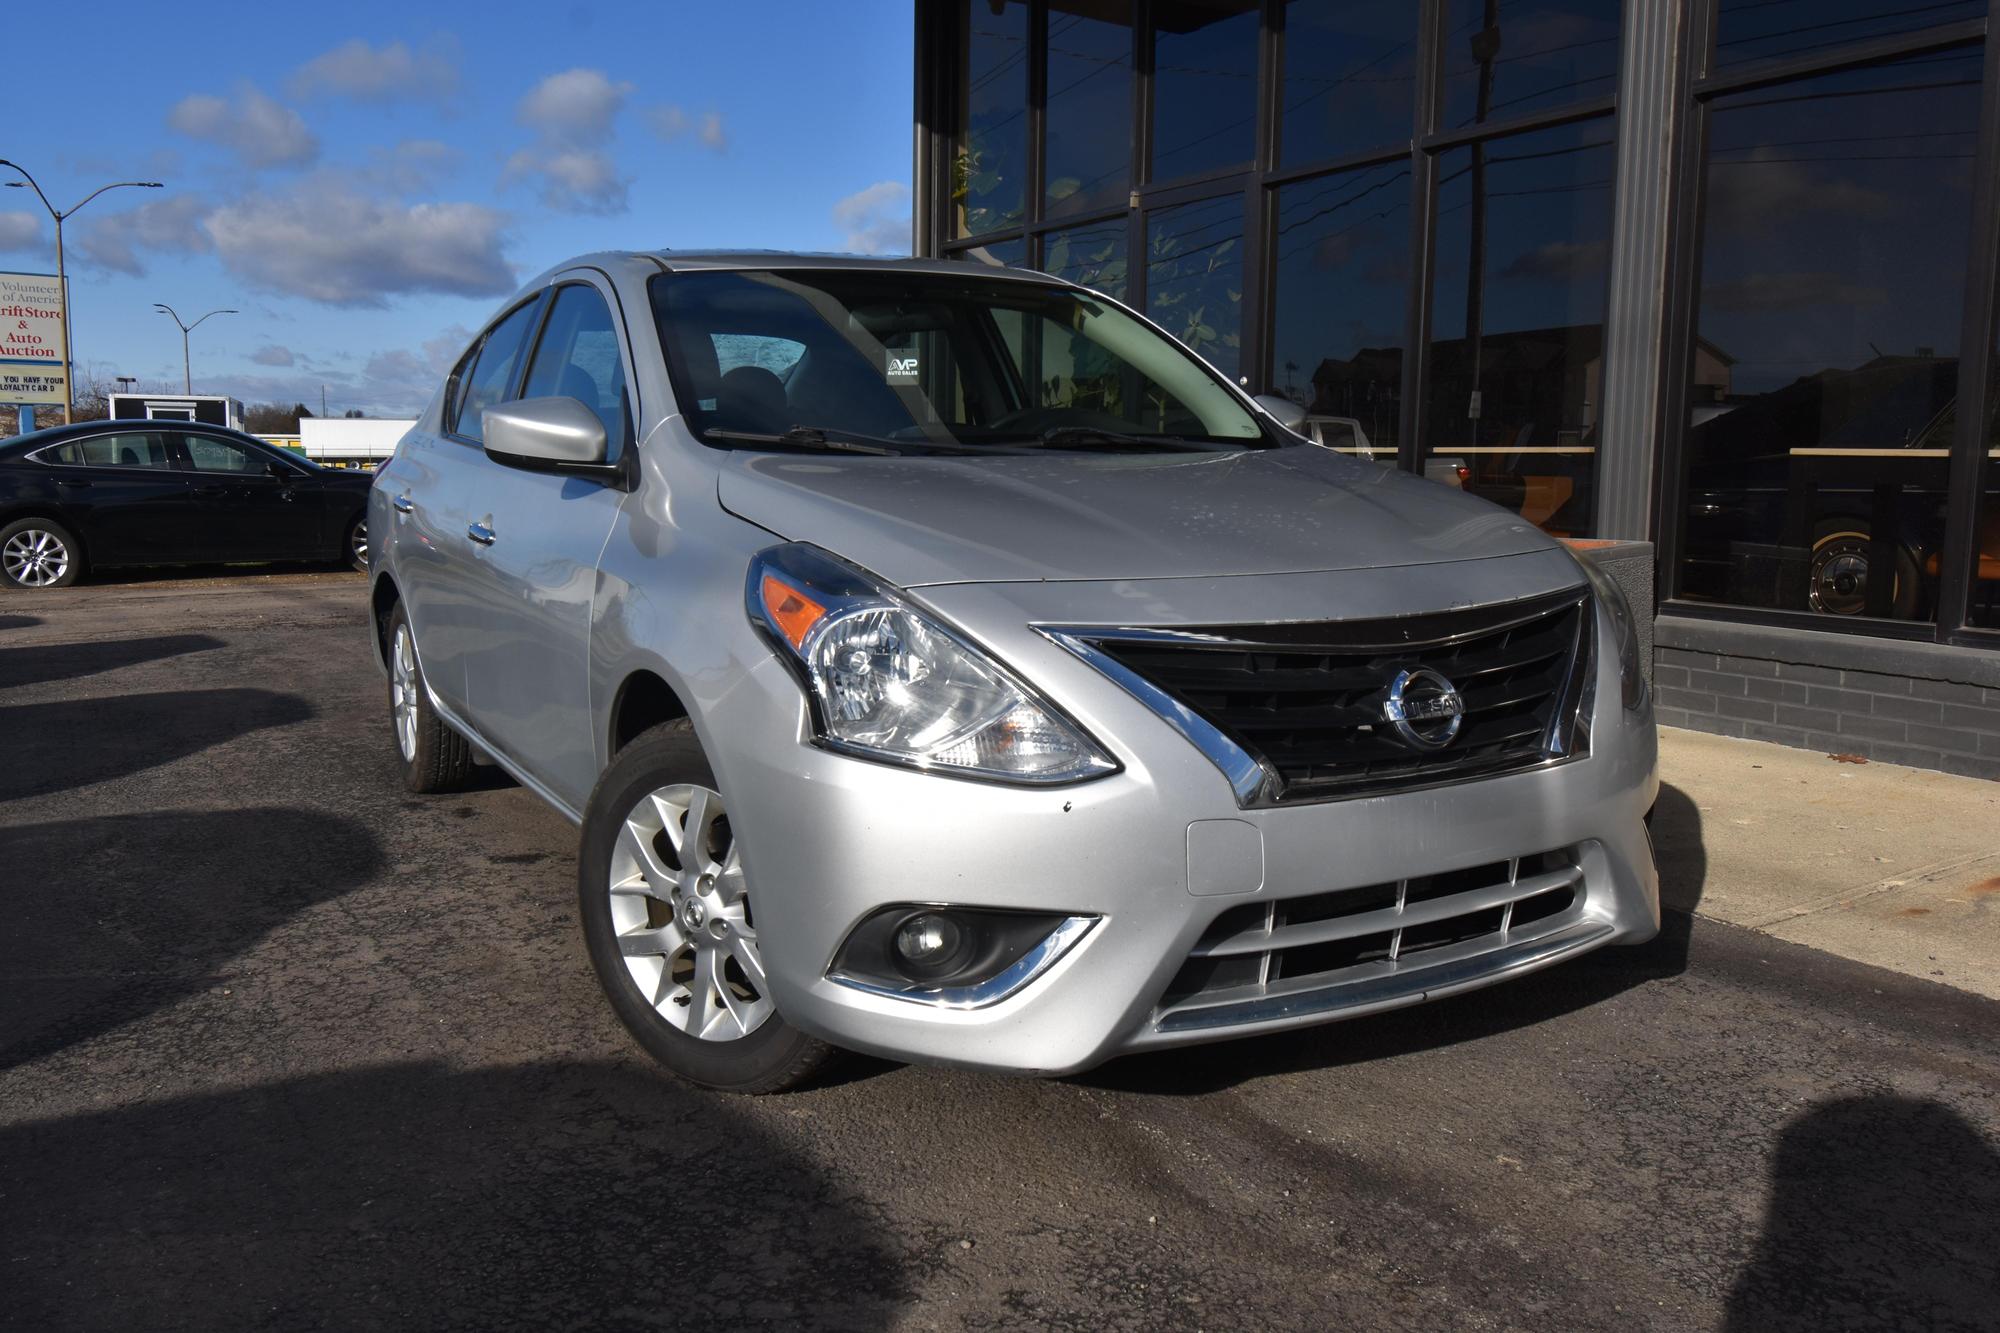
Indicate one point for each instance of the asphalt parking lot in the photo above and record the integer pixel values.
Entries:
(282, 1046)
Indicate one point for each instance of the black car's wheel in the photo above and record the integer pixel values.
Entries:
(1838, 577)
(354, 550)
(667, 921)
(37, 553)
(435, 758)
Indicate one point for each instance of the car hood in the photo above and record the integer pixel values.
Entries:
(929, 520)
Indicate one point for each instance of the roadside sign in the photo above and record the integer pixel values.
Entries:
(34, 364)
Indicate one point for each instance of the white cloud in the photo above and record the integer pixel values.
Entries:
(574, 108)
(395, 382)
(669, 123)
(260, 131)
(573, 180)
(572, 115)
(325, 241)
(20, 231)
(414, 165)
(274, 355)
(393, 72)
(877, 219)
(171, 224)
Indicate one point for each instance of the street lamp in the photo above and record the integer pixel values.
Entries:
(187, 377)
(62, 279)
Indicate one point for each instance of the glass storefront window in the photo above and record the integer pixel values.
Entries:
(1824, 377)
(1985, 554)
(1088, 160)
(1516, 368)
(1505, 58)
(989, 163)
(1204, 86)
(1766, 29)
(1342, 280)
(1194, 277)
(1349, 73)
(1093, 256)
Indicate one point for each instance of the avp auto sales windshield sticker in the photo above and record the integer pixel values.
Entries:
(900, 367)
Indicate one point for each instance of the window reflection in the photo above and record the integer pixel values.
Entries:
(1504, 58)
(1088, 160)
(1985, 554)
(1826, 377)
(1348, 77)
(1764, 29)
(1194, 277)
(1204, 85)
(1343, 271)
(1517, 316)
(1093, 256)
(989, 167)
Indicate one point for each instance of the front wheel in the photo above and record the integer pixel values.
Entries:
(36, 553)
(669, 926)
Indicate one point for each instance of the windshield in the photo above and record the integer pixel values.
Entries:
(908, 361)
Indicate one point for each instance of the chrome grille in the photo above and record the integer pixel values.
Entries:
(1374, 933)
(1304, 703)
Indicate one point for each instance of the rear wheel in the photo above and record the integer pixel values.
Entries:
(435, 758)
(669, 924)
(37, 553)
(355, 549)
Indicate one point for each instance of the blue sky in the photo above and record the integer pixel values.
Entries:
(367, 187)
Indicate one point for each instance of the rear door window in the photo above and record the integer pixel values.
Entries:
(494, 370)
(208, 454)
(142, 449)
(578, 358)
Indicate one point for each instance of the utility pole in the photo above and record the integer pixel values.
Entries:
(1485, 50)
(187, 374)
(62, 277)
(322, 402)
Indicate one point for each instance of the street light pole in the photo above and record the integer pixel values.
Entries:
(62, 277)
(187, 374)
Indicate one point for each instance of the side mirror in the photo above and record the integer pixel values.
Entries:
(551, 434)
(1284, 411)
(281, 472)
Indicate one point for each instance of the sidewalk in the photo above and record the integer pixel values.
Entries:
(1895, 867)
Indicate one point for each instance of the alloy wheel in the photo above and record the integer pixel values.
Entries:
(403, 692)
(35, 558)
(681, 915)
(357, 544)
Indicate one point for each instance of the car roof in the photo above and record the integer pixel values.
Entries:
(676, 261)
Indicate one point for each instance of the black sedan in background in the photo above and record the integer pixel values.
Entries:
(104, 493)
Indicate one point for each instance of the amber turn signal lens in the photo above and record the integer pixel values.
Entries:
(791, 611)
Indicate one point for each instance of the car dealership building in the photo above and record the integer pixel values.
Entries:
(1717, 275)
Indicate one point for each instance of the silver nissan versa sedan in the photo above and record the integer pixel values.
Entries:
(945, 663)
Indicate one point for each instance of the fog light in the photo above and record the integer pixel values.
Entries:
(928, 939)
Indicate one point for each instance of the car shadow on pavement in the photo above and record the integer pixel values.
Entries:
(1518, 1003)
(57, 746)
(19, 622)
(562, 1195)
(113, 917)
(67, 661)
(1884, 1213)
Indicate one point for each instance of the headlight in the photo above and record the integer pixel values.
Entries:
(1631, 677)
(889, 682)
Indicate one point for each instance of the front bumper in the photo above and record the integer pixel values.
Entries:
(829, 839)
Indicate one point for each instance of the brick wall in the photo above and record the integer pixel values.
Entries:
(1941, 724)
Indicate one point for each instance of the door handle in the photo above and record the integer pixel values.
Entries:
(76, 483)
(211, 491)
(481, 533)
(402, 504)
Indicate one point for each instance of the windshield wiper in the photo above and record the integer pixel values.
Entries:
(806, 437)
(1057, 435)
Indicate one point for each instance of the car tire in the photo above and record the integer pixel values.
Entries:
(435, 758)
(670, 933)
(354, 544)
(1837, 576)
(38, 553)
